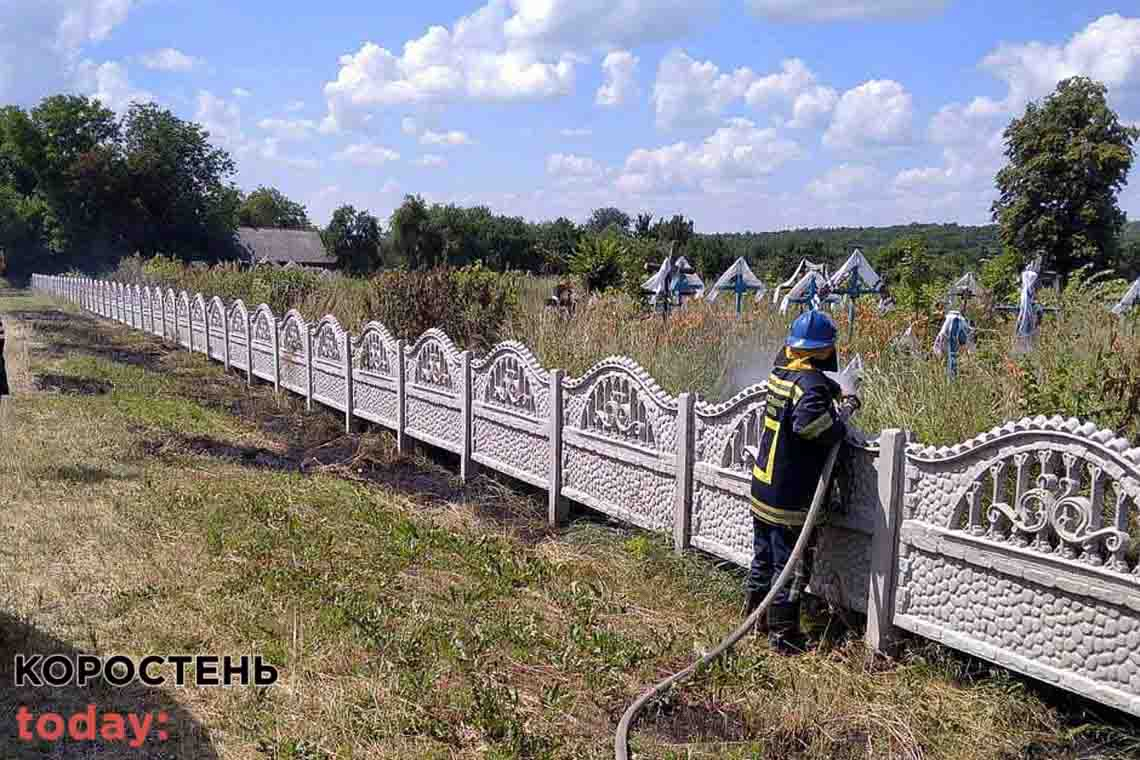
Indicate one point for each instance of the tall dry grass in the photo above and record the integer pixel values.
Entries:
(1086, 362)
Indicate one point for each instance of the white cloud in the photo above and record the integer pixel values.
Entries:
(737, 151)
(408, 126)
(844, 181)
(450, 138)
(293, 106)
(688, 91)
(620, 69)
(169, 59)
(109, 83)
(1107, 50)
(366, 154)
(469, 61)
(691, 92)
(794, 84)
(221, 119)
(289, 129)
(570, 168)
(576, 132)
(875, 114)
(88, 20)
(843, 10)
(267, 148)
(586, 24)
(241, 92)
(41, 43)
(431, 161)
(507, 50)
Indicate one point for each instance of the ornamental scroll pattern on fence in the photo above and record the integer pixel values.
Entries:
(1020, 546)
(620, 444)
(433, 381)
(511, 408)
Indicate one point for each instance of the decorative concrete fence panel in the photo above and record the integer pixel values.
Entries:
(294, 345)
(154, 297)
(331, 366)
(377, 376)
(434, 391)
(128, 307)
(266, 360)
(511, 408)
(1020, 547)
(722, 476)
(619, 447)
(170, 315)
(185, 335)
(238, 332)
(116, 302)
(142, 308)
(199, 337)
(216, 331)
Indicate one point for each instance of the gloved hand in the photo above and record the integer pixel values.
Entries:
(849, 379)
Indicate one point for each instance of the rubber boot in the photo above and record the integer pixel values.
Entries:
(754, 599)
(784, 635)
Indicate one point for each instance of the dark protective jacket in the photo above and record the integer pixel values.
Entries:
(801, 422)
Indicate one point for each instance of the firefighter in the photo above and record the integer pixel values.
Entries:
(806, 412)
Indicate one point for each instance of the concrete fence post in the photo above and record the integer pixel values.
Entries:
(401, 399)
(308, 369)
(885, 541)
(558, 509)
(160, 330)
(190, 323)
(248, 351)
(226, 337)
(683, 497)
(206, 327)
(467, 465)
(348, 401)
(276, 338)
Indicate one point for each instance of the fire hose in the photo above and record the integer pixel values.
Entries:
(621, 739)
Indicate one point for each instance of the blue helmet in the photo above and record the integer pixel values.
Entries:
(812, 329)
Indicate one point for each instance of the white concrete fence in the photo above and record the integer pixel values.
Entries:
(1019, 546)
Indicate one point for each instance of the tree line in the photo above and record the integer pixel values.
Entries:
(79, 187)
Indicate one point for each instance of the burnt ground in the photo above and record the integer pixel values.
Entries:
(303, 441)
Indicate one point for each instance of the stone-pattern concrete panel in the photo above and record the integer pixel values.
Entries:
(376, 403)
(519, 449)
(639, 494)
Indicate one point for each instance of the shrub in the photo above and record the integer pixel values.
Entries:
(600, 260)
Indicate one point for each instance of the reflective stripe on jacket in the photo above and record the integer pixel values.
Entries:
(800, 424)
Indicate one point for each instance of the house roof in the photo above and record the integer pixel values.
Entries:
(283, 246)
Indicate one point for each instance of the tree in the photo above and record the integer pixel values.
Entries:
(600, 260)
(554, 242)
(414, 237)
(269, 207)
(710, 256)
(603, 219)
(905, 266)
(1069, 157)
(177, 186)
(643, 227)
(677, 230)
(354, 238)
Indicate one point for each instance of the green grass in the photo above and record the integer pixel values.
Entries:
(412, 617)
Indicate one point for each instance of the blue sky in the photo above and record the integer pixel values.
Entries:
(743, 114)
